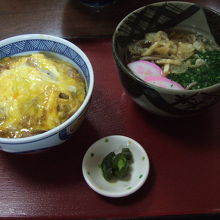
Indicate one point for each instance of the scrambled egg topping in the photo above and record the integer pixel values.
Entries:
(37, 93)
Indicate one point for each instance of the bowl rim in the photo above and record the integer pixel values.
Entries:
(80, 110)
(146, 84)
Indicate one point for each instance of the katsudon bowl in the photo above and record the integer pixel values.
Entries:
(157, 17)
(64, 50)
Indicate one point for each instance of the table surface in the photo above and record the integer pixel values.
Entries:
(184, 153)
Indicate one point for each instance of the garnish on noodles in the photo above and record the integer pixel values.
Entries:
(189, 59)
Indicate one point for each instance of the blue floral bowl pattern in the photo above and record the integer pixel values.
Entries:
(44, 45)
(30, 43)
(155, 17)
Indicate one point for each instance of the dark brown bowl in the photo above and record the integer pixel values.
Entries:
(155, 17)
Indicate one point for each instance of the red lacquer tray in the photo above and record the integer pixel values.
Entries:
(184, 155)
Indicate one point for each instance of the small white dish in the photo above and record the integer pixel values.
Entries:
(95, 155)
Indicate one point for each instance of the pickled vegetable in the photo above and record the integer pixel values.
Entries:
(116, 166)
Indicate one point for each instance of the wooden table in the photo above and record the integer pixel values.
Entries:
(67, 18)
(185, 153)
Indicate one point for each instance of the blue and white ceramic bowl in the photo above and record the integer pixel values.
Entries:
(26, 44)
(152, 18)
